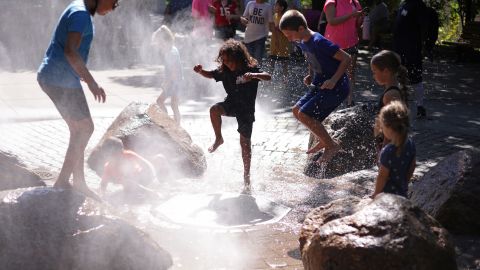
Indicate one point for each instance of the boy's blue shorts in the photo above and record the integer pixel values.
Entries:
(320, 103)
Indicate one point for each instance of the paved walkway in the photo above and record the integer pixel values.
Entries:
(30, 127)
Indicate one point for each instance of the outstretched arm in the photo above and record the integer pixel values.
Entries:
(199, 69)
(262, 76)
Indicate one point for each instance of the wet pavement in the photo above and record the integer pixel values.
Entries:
(30, 128)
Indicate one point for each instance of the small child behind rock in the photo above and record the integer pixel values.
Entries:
(125, 167)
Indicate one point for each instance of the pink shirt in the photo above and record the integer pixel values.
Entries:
(200, 9)
(345, 34)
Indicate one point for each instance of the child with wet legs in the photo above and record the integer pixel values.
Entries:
(59, 75)
(327, 81)
(164, 39)
(397, 159)
(240, 76)
(126, 168)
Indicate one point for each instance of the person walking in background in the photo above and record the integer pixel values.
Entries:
(59, 75)
(225, 13)
(388, 71)
(164, 40)
(280, 47)
(379, 22)
(344, 18)
(397, 159)
(258, 20)
(408, 35)
(327, 80)
(239, 73)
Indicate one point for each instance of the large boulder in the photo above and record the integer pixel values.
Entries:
(14, 174)
(150, 132)
(386, 233)
(450, 192)
(353, 127)
(48, 228)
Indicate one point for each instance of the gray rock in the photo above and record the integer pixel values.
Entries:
(148, 131)
(386, 233)
(14, 174)
(47, 228)
(353, 127)
(450, 192)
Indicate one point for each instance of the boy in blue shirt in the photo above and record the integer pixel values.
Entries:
(59, 75)
(327, 80)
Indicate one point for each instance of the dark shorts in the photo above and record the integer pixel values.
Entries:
(352, 50)
(319, 103)
(244, 120)
(70, 103)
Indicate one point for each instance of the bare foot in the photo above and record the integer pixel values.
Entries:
(215, 145)
(62, 184)
(319, 146)
(329, 153)
(82, 188)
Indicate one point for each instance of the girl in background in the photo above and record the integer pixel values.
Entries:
(164, 39)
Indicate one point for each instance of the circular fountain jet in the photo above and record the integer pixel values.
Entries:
(220, 210)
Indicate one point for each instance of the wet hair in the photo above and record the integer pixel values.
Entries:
(112, 145)
(163, 34)
(283, 4)
(390, 60)
(395, 117)
(292, 20)
(237, 51)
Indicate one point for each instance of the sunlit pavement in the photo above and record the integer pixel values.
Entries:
(32, 130)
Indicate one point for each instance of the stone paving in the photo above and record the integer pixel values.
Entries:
(278, 141)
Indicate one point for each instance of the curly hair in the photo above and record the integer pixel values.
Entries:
(236, 50)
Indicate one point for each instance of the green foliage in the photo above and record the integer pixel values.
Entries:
(450, 28)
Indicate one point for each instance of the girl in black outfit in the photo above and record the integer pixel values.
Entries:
(240, 75)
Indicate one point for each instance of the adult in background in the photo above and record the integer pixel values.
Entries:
(409, 33)
(344, 18)
(379, 23)
(258, 19)
(59, 75)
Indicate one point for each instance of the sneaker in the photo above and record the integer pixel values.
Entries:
(421, 112)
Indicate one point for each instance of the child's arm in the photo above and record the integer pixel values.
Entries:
(344, 59)
(382, 178)
(211, 9)
(199, 69)
(411, 169)
(262, 76)
(330, 11)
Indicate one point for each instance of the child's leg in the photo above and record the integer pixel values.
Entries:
(161, 101)
(320, 145)
(216, 112)
(317, 128)
(176, 112)
(246, 145)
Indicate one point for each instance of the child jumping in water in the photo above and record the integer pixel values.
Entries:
(240, 75)
(327, 78)
(388, 72)
(397, 159)
(164, 39)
